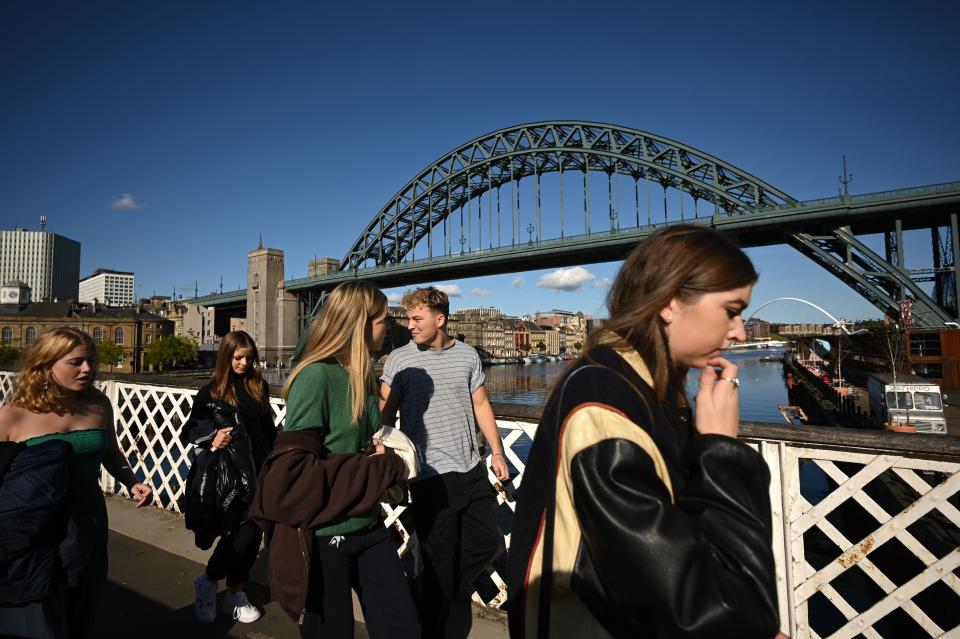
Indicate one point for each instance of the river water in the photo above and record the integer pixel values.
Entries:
(762, 389)
(762, 386)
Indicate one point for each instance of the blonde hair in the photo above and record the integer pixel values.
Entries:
(431, 297)
(341, 330)
(35, 388)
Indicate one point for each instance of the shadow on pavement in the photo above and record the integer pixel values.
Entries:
(149, 594)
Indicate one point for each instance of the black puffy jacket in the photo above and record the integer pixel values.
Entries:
(47, 514)
(221, 483)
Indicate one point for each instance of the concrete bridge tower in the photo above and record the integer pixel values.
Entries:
(268, 309)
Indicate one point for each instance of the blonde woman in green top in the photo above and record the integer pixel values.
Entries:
(333, 390)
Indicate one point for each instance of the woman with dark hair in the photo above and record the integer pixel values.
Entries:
(235, 404)
(636, 518)
(56, 433)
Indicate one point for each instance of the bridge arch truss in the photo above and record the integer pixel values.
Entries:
(506, 156)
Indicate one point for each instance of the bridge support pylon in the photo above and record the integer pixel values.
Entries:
(886, 282)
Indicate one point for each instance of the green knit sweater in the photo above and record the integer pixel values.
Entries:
(320, 398)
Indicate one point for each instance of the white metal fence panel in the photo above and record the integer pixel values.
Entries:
(6, 386)
(148, 421)
(873, 544)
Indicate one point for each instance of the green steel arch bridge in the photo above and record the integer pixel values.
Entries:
(479, 210)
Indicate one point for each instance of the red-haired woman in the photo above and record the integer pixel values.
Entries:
(236, 388)
(55, 434)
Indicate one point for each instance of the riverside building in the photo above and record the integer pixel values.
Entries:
(22, 321)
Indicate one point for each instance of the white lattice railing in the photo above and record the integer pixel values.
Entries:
(866, 534)
(870, 534)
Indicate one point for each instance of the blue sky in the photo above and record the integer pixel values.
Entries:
(166, 136)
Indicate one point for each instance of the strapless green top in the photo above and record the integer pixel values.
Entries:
(88, 447)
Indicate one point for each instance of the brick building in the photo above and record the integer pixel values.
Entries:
(132, 329)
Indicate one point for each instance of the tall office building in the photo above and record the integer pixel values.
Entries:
(110, 288)
(48, 263)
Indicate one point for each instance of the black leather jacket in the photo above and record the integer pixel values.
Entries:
(630, 523)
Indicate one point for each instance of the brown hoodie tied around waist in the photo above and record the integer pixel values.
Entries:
(302, 487)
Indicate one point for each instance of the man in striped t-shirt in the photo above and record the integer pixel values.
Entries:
(436, 382)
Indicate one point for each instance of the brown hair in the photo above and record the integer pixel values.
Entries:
(221, 385)
(342, 330)
(35, 388)
(680, 262)
(431, 297)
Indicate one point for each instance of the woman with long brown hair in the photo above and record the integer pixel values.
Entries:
(237, 397)
(55, 401)
(635, 517)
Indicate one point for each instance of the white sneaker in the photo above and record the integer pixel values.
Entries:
(205, 603)
(237, 604)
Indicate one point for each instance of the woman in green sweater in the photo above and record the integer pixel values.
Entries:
(333, 390)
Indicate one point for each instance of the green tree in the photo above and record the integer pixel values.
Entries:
(169, 351)
(541, 346)
(577, 346)
(109, 354)
(8, 354)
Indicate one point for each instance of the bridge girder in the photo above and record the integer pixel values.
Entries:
(879, 281)
(493, 160)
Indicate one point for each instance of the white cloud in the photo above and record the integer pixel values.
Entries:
(517, 281)
(126, 203)
(481, 292)
(603, 282)
(394, 298)
(566, 279)
(452, 290)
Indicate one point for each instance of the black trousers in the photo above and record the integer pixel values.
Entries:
(454, 515)
(367, 562)
(235, 554)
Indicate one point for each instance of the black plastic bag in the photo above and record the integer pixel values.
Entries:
(222, 483)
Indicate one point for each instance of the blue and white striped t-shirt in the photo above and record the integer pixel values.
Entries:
(436, 389)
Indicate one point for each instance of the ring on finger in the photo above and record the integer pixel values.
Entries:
(733, 380)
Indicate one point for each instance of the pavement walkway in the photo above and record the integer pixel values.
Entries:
(149, 591)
